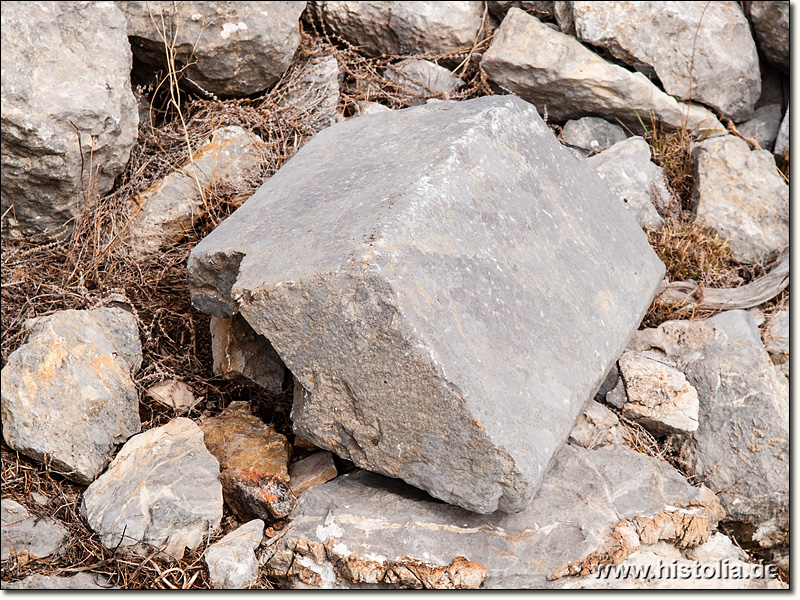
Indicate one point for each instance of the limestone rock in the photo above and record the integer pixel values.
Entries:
(617, 396)
(257, 495)
(238, 351)
(556, 72)
(659, 397)
(771, 24)
(226, 48)
(27, 537)
(423, 320)
(741, 447)
(240, 439)
(173, 393)
(700, 52)
(540, 10)
(596, 427)
(608, 383)
(314, 90)
(595, 507)
(740, 194)
(592, 134)
(165, 212)
(312, 470)
(763, 126)
(67, 392)
(739, 327)
(162, 490)
(232, 563)
(369, 108)
(403, 27)
(422, 78)
(781, 150)
(67, 107)
(81, 581)
(776, 337)
(634, 179)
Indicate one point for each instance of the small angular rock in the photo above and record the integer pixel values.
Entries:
(312, 470)
(231, 562)
(700, 52)
(314, 90)
(595, 507)
(67, 392)
(423, 320)
(238, 438)
(658, 395)
(403, 27)
(27, 537)
(741, 195)
(238, 351)
(67, 107)
(173, 393)
(763, 126)
(231, 49)
(556, 71)
(596, 427)
(422, 78)
(161, 491)
(776, 337)
(634, 179)
(81, 581)
(771, 24)
(592, 134)
(167, 211)
(257, 495)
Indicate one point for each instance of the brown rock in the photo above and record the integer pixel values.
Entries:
(312, 470)
(257, 495)
(239, 439)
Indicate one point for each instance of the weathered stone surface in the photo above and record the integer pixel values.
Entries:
(27, 537)
(68, 113)
(541, 10)
(608, 383)
(314, 90)
(173, 393)
(422, 78)
(763, 126)
(554, 70)
(741, 446)
(771, 24)
(403, 27)
(165, 212)
(596, 427)
(226, 48)
(81, 581)
(238, 351)
(664, 567)
(592, 134)
(739, 327)
(740, 194)
(238, 438)
(67, 392)
(312, 470)
(700, 52)
(659, 397)
(162, 490)
(617, 396)
(370, 108)
(257, 495)
(776, 337)
(232, 563)
(594, 507)
(634, 179)
(412, 302)
(781, 150)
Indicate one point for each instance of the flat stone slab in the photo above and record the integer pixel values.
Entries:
(26, 537)
(428, 260)
(161, 491)
(68, 392)
(312, 470)
(595, 507)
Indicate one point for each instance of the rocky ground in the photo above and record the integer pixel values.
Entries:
(532, 332)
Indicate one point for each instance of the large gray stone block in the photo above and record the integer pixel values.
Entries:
(448, 284)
